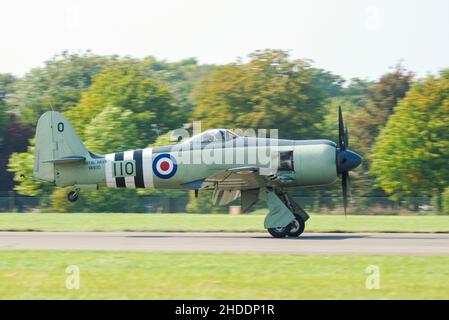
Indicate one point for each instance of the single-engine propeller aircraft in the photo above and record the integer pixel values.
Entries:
(237, 169)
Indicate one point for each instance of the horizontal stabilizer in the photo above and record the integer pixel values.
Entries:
(69, 159)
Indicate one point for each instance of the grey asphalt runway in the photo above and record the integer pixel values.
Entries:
(309, 243)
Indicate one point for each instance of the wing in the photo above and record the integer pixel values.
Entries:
(236, 179)
(230, 184)
(244, 178)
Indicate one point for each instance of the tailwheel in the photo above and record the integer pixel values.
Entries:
(296, 227)
(72, 196)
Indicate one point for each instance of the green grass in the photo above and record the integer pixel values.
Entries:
(213, 222)
(121, 275)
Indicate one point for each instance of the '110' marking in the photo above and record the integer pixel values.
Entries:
(124, 168)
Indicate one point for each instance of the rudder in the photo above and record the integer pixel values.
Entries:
(56, 140)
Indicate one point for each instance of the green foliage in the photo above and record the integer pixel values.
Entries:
(351, 99)
(329, 125)
(180, 77)
(382, 98)
(163, 140)
(269, 91)
(445, 200)
(203, 204)
(124, 85)
(111, 130)
(103, 200)
(4, 121)
(22, 164)
(411, 154)
(6, 88)
(58, 84)
(358, 91)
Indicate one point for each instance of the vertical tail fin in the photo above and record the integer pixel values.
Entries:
(56, 140)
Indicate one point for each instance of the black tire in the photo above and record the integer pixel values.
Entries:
(296, 228)
(279, 232)
(72, 196)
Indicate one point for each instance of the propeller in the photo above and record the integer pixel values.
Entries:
(347, 160)
(345, 188)
(341, 131)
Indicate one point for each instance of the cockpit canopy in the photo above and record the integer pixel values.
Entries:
(212, 135)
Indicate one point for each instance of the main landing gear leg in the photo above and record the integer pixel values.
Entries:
(296, 227)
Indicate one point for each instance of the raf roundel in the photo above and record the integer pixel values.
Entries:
(164, 166)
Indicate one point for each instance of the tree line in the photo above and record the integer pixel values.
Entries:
(398, 123)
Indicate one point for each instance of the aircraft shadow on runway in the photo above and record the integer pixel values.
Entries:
(417, 237)
(319, 237)
(224, 236)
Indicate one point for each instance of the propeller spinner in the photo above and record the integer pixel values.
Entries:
(347, 160)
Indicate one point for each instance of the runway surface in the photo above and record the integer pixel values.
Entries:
(309, 243)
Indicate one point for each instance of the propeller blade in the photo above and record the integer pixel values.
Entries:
(346, 138)
(341, 130)
(348, 183)
(345, 185)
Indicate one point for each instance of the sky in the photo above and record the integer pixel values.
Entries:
(352, 38)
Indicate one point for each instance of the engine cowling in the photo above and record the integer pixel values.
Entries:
(315, 163)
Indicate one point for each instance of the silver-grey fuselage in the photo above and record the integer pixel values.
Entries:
(311, 162)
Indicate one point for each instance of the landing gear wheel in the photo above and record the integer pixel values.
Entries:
(72, 196)
(280, 232)
(296, 227)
